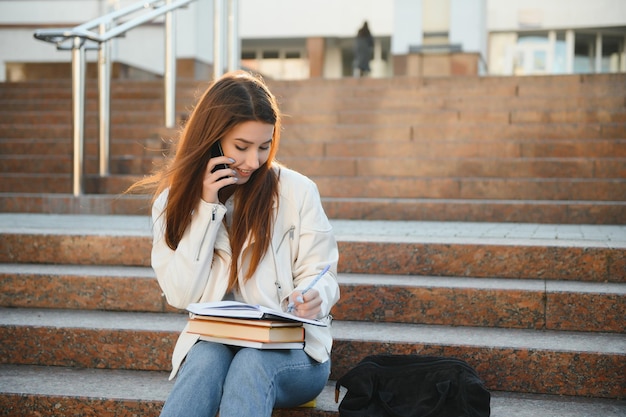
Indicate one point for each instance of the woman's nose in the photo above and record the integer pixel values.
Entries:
(252, 160)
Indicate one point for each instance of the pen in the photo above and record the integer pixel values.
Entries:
(290, 307)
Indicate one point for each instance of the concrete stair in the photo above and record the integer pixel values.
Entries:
(536, 309)
(478, 218)
(531, 149)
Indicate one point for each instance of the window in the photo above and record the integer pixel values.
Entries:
(248, 55)
(271, 55)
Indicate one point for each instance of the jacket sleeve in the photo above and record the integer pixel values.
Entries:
(316, 248)
(183, 273)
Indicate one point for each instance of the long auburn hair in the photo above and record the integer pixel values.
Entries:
(234, 98)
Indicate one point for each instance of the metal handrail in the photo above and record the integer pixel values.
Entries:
(81, 38)
(58, 36)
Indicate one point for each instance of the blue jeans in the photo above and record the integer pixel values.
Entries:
(243, 381)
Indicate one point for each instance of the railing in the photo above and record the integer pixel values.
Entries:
(83, 37)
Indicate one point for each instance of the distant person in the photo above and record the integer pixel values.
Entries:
(363, 51)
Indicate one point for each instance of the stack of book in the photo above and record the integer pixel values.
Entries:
(240, 324)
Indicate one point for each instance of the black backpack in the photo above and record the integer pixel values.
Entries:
(412, 386)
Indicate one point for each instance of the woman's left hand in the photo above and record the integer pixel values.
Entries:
(308, 306)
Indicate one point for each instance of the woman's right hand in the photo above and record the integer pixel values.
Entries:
(214, 181)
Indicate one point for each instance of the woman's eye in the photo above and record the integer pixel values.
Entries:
(240, 149)
(264, 148)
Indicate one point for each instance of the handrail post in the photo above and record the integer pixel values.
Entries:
(78, 104)
(218, 38)
(170, 69)
(234, 46)
(104, 94)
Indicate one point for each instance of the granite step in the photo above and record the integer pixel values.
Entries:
(464, 148)
(64, 103)
(452, 116)
(572, 363)
(157, 142)
(455, 131)
(589, 253)
(570, 189)
(291, 104)
(64, 117)
(128, 131)
(457, 187)
(347, 116)
(485, 302)
(28, 390)
(390, 131)
(135, 165)
(476, 167)
(150, 146)
(461, 103)
(478, 210)
(371, 88)
(402, 209)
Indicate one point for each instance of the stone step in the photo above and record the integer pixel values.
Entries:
(572, 363)
(455, 131)
(521, 211)
(471, 188)
(463, 148)
(385, 132)
(585, 189)
(122, 104)
(589, 253)
(155, 145)
(515, 86)
(407, 167)
(291, 105)
(568, 189)
(349, 116)
(35, 390)
(404, 209)
(502, 116)
(50, 165)
(457, 103)
(64, 147)
(64, 117)
(485, 302)
(64, 132)
(98, 204)
(527, 167)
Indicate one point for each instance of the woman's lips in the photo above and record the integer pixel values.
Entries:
(244, 172)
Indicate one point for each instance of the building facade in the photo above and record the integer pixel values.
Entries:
(294, 39)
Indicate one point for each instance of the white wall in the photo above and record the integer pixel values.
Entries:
(468, 25)
(408, 26)
(70, 12)
(510, 15)
(302, 18)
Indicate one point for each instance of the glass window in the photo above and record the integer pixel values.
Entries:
(559, 60)
(584, 53)
(271, 55)
(612, 50)
(248, 55)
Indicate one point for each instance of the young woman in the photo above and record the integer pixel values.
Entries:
(252, 231)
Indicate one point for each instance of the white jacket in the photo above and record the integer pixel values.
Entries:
(302, 245)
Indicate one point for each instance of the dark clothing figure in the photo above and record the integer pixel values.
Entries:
(363, 50)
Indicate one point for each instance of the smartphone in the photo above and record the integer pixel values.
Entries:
(216, 150)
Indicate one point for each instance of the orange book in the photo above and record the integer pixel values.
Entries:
(266, 331)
